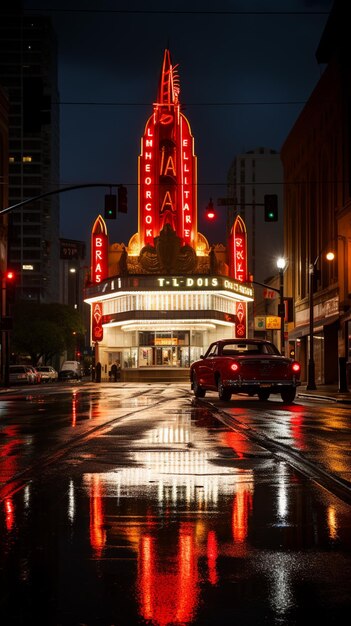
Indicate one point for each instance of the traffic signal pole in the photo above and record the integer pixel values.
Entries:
(55, 191)
(4, 333)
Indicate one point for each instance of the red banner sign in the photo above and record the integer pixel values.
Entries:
(97, 331)
(241, 315)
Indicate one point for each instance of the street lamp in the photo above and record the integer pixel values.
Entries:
(313, 273)
(76, 295)
(281, 264)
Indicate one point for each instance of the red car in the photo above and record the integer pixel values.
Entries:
(251, 366)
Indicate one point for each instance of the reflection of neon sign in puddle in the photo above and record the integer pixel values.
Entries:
(168, 518)
(166, 507)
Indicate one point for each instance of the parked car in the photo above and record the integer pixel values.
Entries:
(21, 374)
(48, 373)
(73, 366)
(67, 375)
(36, 374)
(251, 366)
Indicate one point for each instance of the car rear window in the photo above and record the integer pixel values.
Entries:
(248, 349)
(241, 349)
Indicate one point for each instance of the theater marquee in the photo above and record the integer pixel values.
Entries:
(115, 285)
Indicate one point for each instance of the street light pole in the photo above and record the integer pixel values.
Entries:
(311, 383)
(281, 263)
(282, 311)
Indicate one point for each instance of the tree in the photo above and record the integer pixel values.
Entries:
(44, 330)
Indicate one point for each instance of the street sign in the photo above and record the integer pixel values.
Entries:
(226, 201)
(267, 322)
(273, 322)
(260, 322)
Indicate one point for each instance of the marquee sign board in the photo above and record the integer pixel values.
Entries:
(115, 285)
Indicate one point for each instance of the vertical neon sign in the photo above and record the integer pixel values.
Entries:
(167, 166)
(237, 251)
(99, 251)
(99, 271)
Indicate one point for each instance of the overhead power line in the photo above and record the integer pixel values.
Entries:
(195, 104)
(174, 12)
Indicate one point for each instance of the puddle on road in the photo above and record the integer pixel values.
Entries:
(171, 536)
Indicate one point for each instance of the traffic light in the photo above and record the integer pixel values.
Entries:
(271, 208)
(210, 211)
(10, 277)
(122, 199)
(10, 285)
(110, 207)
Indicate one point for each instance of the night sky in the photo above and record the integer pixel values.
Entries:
(246, 69)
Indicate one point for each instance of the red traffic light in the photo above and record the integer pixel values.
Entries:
(10, 276)
(210, 211)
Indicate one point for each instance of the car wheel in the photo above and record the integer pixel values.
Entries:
(264, 394)
(288, 395)
(199, 392)
(223, 392)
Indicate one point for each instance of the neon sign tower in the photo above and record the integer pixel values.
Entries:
(167, 166)
(161, 299)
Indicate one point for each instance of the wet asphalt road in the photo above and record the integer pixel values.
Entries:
(137, 505)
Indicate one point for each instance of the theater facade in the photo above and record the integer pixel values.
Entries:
(158, 302)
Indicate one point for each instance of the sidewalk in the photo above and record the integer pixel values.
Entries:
(325, 392)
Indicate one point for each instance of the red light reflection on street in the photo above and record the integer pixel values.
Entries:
(242, 507)
(74, 408)
(10, 513)
(170, 596)
(297, 427)
(97, 534)
(238, 442)
(10, 452)
(212, 555)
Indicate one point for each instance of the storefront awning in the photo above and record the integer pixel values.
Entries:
(318, 325)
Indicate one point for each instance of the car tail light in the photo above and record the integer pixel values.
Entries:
(235, 367)
(296, 367)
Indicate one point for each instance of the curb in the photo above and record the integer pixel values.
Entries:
(315, 396)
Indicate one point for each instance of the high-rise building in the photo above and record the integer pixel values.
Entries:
(316, 157)
(28, 74)
(253, 175)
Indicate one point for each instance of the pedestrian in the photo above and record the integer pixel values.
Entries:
(114, 372)
(98, 372)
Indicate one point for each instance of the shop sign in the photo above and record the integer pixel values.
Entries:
(273, 322)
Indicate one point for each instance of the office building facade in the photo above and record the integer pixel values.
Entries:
(28, 73)
(317, 159)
